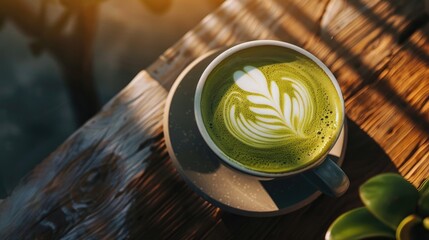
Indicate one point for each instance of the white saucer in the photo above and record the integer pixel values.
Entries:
(207, 174)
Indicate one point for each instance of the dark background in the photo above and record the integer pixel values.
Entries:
(61, 60)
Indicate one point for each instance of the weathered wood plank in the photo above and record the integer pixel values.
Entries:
(387, 121)
(89, 169)
(112, 178)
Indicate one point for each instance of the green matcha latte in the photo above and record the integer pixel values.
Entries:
(271, 109)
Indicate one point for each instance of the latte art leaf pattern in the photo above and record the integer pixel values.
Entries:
(275, 115)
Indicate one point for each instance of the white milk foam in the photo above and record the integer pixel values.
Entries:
(275, 115)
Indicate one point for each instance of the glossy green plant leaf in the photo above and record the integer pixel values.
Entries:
(390, 198)
(358, 224)
(426, 223)
(423, 204)
(405, 228)
(424, 187)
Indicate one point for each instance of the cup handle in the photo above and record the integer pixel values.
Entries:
(328, 177)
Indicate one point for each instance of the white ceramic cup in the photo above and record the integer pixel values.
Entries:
(323, 173)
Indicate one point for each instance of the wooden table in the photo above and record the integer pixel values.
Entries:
(112, 179)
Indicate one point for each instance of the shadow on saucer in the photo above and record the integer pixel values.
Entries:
(364, 159)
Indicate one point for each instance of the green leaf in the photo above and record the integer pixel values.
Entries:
(423, 204)
(426, 223)
(424, 187)
(406, 227)
(357, 224)
(390, 198)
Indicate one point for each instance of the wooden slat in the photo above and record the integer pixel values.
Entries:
(112, 179)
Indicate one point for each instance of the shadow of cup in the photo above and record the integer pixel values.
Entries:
(364, 159)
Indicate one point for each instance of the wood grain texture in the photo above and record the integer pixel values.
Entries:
(112, 179)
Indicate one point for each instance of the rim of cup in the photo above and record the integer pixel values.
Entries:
(232, 50)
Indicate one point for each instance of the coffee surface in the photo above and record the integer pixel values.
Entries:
(271, 109)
